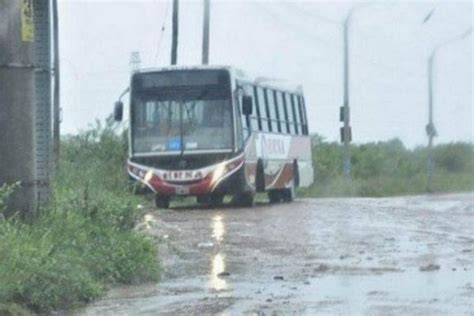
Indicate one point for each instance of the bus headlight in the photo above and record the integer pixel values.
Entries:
(222, 170)
(148, 176)
(219, 173)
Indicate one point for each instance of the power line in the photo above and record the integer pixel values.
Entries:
(329, 44)
(163, 28)
(267, 10)
(322, 18)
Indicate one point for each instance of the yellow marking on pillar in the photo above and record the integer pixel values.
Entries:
(27, 26)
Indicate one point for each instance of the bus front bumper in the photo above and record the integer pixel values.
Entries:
(220, 178)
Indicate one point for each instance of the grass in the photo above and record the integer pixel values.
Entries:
(84, 241)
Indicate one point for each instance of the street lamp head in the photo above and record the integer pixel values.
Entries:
(428, 16)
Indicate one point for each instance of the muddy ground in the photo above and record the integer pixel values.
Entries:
(390, 256)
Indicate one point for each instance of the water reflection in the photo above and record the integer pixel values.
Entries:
(218, 261)
(218, 229)
(217, 266)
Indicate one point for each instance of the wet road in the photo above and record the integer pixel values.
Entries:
(391, 256)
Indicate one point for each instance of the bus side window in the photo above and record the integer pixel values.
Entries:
(268, 105)
(291, 117)
(241, 129)
(278, 114)
(285, 110)
(305, 118)
(263, 109)
(302, 120)
(295, 113)
(283, 113)
(257, 106)
(245, 120)
(254, 117)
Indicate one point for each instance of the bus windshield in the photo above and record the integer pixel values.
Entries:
(181, 118)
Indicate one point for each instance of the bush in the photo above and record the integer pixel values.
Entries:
(84, 241)
(388, 168)
(456, 157)
(5, 191)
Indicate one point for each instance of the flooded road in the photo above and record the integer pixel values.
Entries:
(390, 256)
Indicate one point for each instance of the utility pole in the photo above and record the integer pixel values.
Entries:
(346, 132)
(345, 114)
(174, 37)
(430, 127)
(56, 94)
(205, 33)
(17, 104)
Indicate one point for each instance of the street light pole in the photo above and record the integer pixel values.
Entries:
(345, 113)
(430, 127)
(346, 132)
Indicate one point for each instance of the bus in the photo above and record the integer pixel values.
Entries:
(212, 131)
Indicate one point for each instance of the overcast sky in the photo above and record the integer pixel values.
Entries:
(296, 41)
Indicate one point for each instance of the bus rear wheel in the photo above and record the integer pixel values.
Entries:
(162, 201)
(283, 195)
(289, 194)
(275, 196)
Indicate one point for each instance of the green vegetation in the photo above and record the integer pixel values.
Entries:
(84, 242)
(388, 168)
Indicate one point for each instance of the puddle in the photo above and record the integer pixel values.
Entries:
(440, 293)
(217, 266)
(218, 229)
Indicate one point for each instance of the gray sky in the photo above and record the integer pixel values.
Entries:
(297, 41)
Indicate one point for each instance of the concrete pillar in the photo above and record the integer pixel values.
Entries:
(17, 108)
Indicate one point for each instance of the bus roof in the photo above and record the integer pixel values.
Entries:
(238, 74)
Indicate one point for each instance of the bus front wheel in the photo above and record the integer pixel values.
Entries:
(211, 200)
(244, 199)
(162, 201)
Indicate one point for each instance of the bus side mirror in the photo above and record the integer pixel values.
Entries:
(247, 105)
(118, 111)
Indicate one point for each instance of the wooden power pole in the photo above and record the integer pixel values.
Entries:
(205, 33)
(174, 37)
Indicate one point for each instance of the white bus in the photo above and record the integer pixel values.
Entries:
(211, 131)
